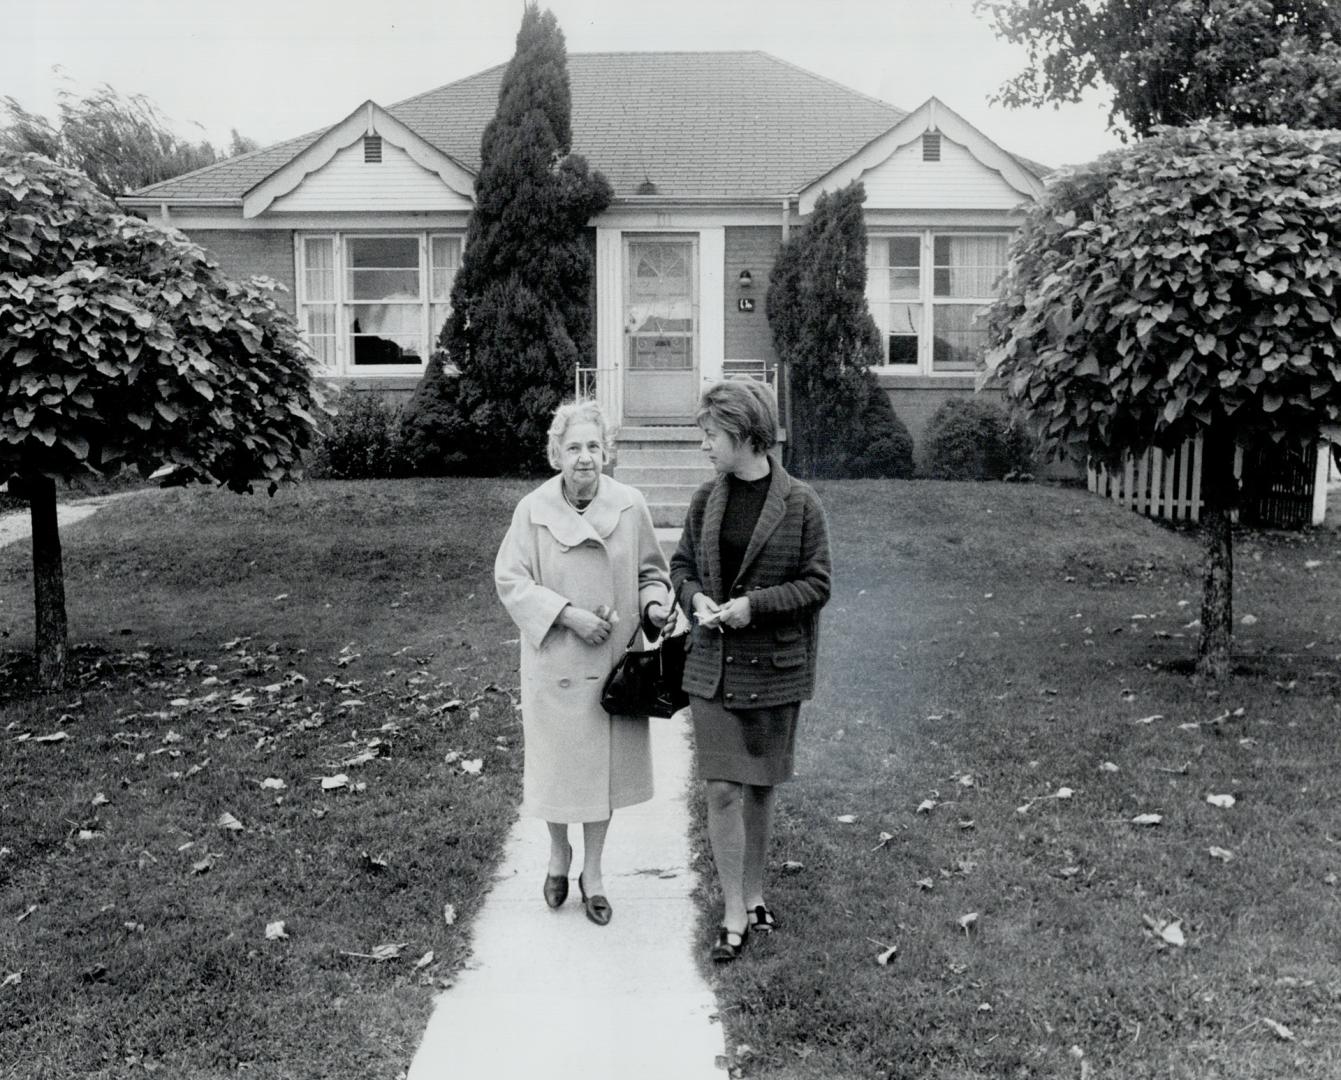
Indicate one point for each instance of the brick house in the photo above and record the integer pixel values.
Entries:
(713, 158)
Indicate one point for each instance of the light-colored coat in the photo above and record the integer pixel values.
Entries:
(580, 762)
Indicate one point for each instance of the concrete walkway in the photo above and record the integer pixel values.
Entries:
(17, 526)
(551, 995)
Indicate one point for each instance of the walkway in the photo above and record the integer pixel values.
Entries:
(551, 995)
(17, 526)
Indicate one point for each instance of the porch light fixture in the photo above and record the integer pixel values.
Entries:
(746, 279)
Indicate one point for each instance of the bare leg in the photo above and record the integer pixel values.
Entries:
(758, 817)
(560, 850)
(593, 847)
(726, 834)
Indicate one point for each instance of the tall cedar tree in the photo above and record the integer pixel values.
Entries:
(1246, 62)
(521, 304)
(122, 345)
(824, 333)
(1187, 286)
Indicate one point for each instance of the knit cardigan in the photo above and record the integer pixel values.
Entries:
(786, 573)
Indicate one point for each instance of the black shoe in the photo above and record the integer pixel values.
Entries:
(723, 951)
(762, 920)
(556, 889)
(597, 907)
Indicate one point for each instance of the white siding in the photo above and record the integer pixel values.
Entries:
(959, 181)
(346, 182)
(712, 301)
(610, 313)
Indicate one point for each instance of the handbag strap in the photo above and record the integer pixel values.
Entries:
(671, 621)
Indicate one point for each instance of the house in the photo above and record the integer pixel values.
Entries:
(713, 157)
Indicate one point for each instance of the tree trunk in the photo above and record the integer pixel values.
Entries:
(50, 630)
(1219, 490)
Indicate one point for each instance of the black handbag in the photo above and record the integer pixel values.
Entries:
(647, 682)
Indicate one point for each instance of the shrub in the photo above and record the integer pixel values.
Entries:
(362, 441)
(973, 439)
(879, 445)
(434, 431)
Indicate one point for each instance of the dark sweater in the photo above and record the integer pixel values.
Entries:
(744, 500)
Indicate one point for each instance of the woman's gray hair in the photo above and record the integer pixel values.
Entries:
(584, 410)
(744, 409)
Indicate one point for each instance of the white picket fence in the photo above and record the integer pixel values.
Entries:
(1156, 483)
(1168, 485)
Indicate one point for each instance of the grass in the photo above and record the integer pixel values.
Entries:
(987, 646)
(225, 641)
(1013, 636)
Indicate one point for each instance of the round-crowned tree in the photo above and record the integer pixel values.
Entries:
(1189, 285)
(123, 345)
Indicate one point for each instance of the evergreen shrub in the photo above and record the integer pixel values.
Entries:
(974, 439)
(879, 444)
(361, 442)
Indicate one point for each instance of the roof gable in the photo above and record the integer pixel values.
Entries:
(897, 178)
(338, 141)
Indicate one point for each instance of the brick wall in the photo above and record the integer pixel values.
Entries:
(752, 248)
(243, 253)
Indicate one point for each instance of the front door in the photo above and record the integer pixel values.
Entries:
(661, 330)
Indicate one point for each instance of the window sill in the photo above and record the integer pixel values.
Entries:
(891, 377)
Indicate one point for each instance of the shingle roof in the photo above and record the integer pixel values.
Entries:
(697, 124)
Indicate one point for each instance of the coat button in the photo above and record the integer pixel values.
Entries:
(730, 697)
(730, 659)
(565, 682)
(754, 697)
(754, 661)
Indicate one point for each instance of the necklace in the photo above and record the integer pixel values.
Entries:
(580, 505)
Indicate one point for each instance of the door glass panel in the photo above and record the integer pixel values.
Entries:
(660, 305)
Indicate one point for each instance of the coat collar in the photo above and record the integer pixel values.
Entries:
(550, 509)
(770, 517)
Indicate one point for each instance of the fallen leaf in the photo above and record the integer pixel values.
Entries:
(229, 822)
(925, 884)
(473, 766)
(274, 931)
(204, 865)
(1173, 933)
(984, 1007)
(331, 783)
(424, 960)
(1249, 620)
(100, 799)
(1222, 801)
(89, 834)
(272, 783)
(926, 806)
(846, 819)
(791, 866)
(449, 914)
(1062, 793)
(885, 957)
(388, 951)
(1223, 854)
(1147, 819)
(1149, 719)
(1282, 1032)
(967, 922)
(885, 838)
(1108, 766)
(12, 979)
(55, 736)
(27, 911)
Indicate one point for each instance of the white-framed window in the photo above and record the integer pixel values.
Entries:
(374, 303)
(925, 289)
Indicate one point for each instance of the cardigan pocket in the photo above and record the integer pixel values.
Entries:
(789, 658)
(787, 633)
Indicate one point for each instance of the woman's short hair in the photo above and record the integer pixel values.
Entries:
(582, 411)
(745, 409)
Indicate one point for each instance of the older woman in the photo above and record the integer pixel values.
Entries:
(580, 566)
(753, 567)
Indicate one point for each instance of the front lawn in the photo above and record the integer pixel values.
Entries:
(236, 652)
(1004, 689)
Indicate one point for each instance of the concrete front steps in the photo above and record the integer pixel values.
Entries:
(666, 465)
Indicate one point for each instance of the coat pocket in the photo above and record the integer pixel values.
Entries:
(787, 634)
(789, 658)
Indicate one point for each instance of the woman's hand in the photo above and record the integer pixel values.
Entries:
(705, 609)
(657, 614)
(736, 613)
(587, 625)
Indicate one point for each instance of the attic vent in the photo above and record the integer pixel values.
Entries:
(931, 146)
(372, 149)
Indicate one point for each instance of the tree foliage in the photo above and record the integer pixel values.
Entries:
(120, 143)
(123, 345)
(1247, 62)
(1189, 285)
(521, 303)
(824, 332)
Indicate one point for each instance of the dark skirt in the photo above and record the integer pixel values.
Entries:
(746, 746)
